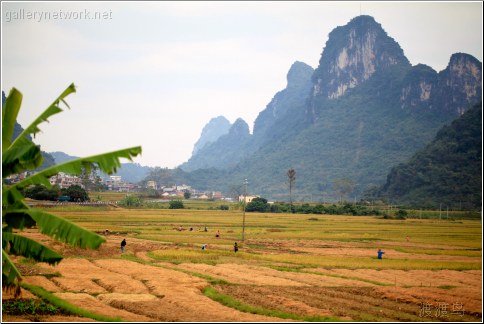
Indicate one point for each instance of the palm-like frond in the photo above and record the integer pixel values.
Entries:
(20, 245)
(17, 219)
(10, 274)
(9, 116)
(53, 109)
(62, 229)
(107, 162)
(12, 202)
(21, 155)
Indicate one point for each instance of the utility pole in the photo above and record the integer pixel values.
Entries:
(245, 199)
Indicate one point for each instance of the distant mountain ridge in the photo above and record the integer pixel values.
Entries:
(215, 128)
(229, 149)
(363, 110)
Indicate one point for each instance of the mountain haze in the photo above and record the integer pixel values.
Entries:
(215, 128)
(362, 111)
(230, 149)
(225, 152)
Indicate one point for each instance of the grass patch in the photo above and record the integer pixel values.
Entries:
(133, 258)
(182, 256)
(210, 256)
(285, 269)
(454, 252)
(79, 208)
(349, 278)
(211, 280)
(64, 305)
(30, 307)
(447, 287)
(231, 302)
(51, 275)
(368, 262)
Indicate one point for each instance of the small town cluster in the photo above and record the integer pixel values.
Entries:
(116, 183)
(180, 190)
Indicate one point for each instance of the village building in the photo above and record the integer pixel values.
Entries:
(248, 199)
(65, 180)
(152, 185)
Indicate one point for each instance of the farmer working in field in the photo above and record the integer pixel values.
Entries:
(236, 248)
(123, 244)
(380, 253)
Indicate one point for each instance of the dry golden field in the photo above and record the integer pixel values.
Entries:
(288, 268)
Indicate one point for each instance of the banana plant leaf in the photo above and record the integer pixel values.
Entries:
(61, 229)
(53, 109)
(21, 157)
(20, 245)
(10, 274)
(107, 162)
(9, 116)
(21, 154)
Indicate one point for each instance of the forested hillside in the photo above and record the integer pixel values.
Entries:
(448, 171)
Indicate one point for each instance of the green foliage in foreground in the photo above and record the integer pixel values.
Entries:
(233, 303)
(62, 304)
(20, 156)
(30, 307)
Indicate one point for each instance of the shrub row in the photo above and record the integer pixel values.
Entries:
(261, 205)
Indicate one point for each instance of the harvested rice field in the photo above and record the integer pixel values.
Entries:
(288, 268)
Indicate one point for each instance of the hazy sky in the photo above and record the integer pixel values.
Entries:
(154, 73)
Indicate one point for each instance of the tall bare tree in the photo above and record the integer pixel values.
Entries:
(343, 187)
(291, 174)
